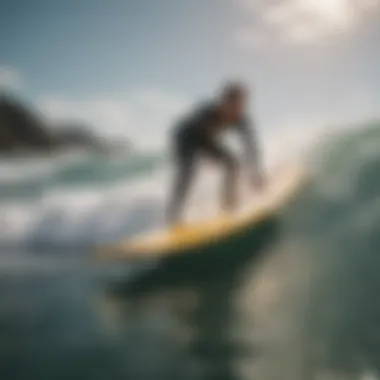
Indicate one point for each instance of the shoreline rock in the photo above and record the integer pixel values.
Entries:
(22, 129)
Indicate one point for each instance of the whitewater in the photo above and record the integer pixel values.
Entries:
(73, 200)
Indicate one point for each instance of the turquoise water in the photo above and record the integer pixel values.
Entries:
(295, 299)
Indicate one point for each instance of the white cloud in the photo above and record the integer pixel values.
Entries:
(98, 112)
(143, 115)
(10, 78)
(300, 21)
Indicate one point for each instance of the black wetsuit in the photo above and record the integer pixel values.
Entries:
(196, 136)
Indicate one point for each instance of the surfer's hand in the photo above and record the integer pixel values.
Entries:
(258, 182)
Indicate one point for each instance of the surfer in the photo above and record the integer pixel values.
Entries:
(196, 135)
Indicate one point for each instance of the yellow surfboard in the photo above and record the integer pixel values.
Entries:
(166, 242)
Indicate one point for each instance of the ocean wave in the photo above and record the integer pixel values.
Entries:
(81, 201)
(314, 299)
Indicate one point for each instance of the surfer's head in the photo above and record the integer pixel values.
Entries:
(233, 98)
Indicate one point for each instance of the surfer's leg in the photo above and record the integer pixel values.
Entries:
(184, 154)
(223, 156)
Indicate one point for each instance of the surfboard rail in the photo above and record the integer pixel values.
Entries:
(166, 242)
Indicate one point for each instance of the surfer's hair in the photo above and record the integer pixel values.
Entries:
(233, 90)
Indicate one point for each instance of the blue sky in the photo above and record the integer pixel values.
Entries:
(129, 67)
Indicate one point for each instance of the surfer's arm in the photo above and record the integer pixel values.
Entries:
(252, 154)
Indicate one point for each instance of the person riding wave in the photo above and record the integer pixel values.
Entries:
(196, 135)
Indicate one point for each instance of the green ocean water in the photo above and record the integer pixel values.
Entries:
(295, 298)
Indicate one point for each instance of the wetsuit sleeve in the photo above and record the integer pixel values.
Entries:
(252, 154)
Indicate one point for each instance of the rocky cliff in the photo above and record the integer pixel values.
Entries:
(23, 130)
